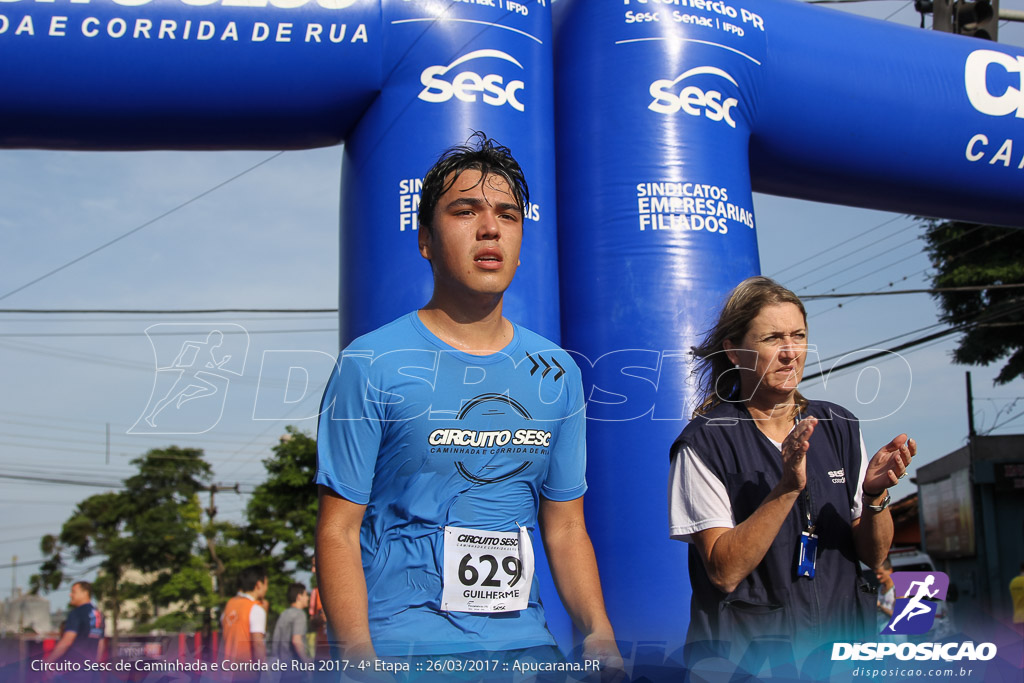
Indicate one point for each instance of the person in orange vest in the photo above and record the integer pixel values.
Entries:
(318, 623)
(244, 623)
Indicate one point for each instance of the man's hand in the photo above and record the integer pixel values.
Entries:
(889, 464)
(362, 653)
(602, 647)
(259, 646)
(357, 652)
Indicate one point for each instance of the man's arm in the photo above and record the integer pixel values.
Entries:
(259, 647)
(340, 575)
(61, 647)
(299, 647)
(574, 570)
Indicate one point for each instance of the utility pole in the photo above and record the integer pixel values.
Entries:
(211, 542)
(218, 568)
(14, 594)
(970, 408)
(941, 11)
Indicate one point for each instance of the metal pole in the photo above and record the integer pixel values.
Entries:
(970, 408)
(942, 16)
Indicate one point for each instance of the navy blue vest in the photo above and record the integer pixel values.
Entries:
(772, 601)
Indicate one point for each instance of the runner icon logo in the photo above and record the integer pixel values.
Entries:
(914, 613)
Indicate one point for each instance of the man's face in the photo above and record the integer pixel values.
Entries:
(261, 588)
(303, 600)
(474, 244)
(78, 596)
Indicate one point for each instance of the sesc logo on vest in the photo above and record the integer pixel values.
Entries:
(692, 99)
(440, 85)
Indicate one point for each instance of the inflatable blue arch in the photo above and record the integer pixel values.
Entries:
(643, 126)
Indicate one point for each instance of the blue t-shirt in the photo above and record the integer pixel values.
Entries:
(428, 436)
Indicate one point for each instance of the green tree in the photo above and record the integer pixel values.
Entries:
(95, 528)
(152, 526)
(281, 514)
(165, 527)
(971, 255)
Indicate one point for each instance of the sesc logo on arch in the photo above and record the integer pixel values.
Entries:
(690, 98)
(991, 90)
(470, 78)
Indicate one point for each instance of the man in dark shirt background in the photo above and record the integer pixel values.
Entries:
(83, 629)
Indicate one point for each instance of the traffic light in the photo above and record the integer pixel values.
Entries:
(977, 19)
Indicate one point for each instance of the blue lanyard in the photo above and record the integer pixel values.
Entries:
(806, 500)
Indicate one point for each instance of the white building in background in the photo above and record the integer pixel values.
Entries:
(25, 611)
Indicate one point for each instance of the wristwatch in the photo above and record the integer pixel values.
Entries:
(878, 508)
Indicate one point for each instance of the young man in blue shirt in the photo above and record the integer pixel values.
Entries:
(441, 453)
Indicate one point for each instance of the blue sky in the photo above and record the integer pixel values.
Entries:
(270, 239)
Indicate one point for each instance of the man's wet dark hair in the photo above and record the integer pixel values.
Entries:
(480, 153)
(250, 576)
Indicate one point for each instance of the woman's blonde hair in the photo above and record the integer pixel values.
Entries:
(717, 379)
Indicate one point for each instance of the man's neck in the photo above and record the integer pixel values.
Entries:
(479, 330)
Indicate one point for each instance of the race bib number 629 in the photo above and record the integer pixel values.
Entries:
(486, 571)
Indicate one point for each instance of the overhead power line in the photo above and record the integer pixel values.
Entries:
(21, 563)
(981, 321)
(923, 270)
(140, 227)
(174, 311)
(934, 290)
(69, 482)
(1003, 423)
(181, 333)
(166, 311)
(813, 257)
(886, 352)
(170, 311)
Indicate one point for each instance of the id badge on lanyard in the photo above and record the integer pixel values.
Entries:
(486, 571)
(808, 554)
